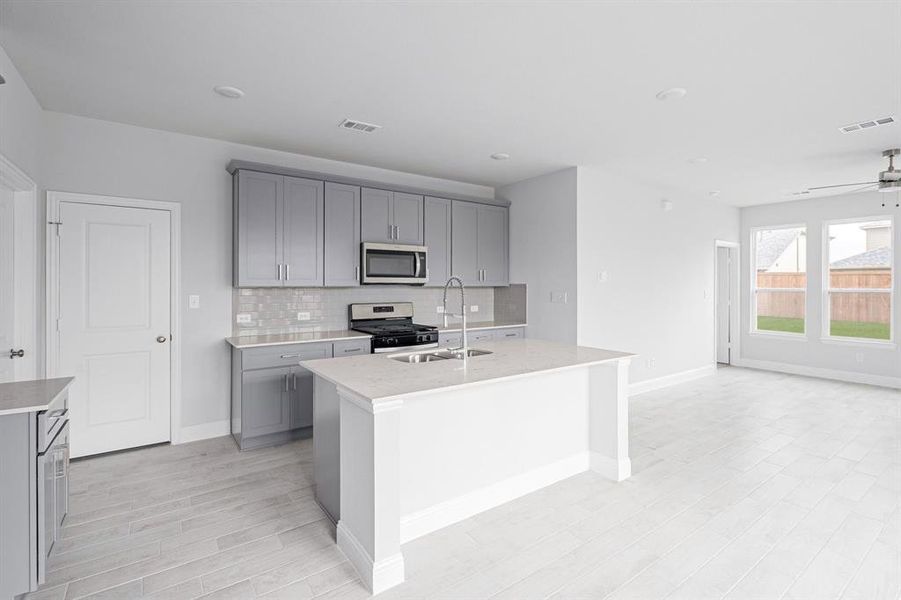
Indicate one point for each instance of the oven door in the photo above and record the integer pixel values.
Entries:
(394, 263)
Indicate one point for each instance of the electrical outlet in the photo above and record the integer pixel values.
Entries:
(474, 308)
(243, 318)
(303, 316)
(193, 301)
(439, 310)
(603, 276)
(559, 297)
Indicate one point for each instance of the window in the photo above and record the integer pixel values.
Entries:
(858, 298)
(779, 283)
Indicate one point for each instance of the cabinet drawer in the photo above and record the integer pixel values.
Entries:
(353, 347)
(452, 340)
(481, 336)
(509, 334)
(283, 356)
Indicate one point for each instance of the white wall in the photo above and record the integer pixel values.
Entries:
(20, 120)
(543, 250)
(658, 301)
(99, 157)
(871, 362)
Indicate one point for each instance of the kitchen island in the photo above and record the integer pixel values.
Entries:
(403, 449)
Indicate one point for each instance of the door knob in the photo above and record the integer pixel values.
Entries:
(161, 339)
(13, 353)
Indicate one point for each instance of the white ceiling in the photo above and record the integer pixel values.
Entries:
(554, 84)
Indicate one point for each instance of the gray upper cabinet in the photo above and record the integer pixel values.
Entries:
(479, 251)
(391, 217)
(437, 236)
(493, 245)
(464, 248)
(258, 232)
(303, 231)
(278, 231)
(342, 235)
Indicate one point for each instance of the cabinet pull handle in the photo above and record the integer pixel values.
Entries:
(397, 232)
(290, 355)
(279, 272)
(352, 349)
(357, 273)
(287, 272)
(294, 375)
(390, 232)
(510, 335)
(286, 382)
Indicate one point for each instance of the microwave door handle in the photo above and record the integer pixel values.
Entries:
(418, 264)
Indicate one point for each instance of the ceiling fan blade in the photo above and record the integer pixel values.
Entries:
(826, 187)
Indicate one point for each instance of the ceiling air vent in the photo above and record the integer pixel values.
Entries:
(359, 126)
(867, 124)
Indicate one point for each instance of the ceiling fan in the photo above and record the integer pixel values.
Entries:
(889, 180)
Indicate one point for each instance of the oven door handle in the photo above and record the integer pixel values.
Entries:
(405, 348)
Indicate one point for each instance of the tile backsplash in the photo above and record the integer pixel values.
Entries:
(274, 310)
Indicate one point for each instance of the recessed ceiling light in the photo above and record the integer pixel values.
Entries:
(500, 156)
(672, 94)
(698, 160)
(229, 91)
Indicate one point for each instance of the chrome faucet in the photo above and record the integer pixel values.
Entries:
(462, 314)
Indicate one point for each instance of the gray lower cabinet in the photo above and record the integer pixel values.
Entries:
(278, 230)
(454, 339)
(391, 217)
(437, 236)
(342, 235)
(479, 250)
(272, 396)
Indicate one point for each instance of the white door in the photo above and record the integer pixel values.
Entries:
(723, 304)
(7, 276)
(114, 324)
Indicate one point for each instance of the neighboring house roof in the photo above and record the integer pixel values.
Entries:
(880, 258)
(771, 244)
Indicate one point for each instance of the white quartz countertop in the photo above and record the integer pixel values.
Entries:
(478, 325)
(256, 341)
(30, 396)
(378, 378)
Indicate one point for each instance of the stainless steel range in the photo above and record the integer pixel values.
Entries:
(391, 327)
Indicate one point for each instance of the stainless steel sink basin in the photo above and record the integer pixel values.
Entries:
(470, 353)
(435, 355)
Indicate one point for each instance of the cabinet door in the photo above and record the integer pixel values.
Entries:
(493, 245)
(301, 393)
(258, 229)
(46, 513)
(377, 224)
(342, 235)
(407, 218)
(480, 336)
(303, 231)
(264, 401)
(437, 237)
(464, 244)
(62, 478)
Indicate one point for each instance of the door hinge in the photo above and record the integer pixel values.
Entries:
(57, 324)
(57, 223)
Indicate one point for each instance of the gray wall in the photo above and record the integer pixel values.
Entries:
(543, 250)
(879, 361)
(20, 120)
(90, 156)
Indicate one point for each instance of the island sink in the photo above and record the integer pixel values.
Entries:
(435, 355)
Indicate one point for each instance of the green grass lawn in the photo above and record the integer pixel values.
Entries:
(875, 331)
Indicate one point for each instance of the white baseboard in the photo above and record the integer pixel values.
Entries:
(377, 576)
(640, 387)
(617, 470)
(446, 513)
(835, 374)
(204, 431)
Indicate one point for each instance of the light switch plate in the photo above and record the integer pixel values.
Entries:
(603, 276)
(439, 310)
(193, 301)
(559, 297)
(303, 316)
(474, 308)
(243, 318)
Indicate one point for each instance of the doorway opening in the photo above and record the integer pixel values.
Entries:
(726, 307)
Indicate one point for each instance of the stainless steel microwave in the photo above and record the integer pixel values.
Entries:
(393, 263)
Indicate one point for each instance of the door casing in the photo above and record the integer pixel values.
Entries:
(54, 198)
(735, 316)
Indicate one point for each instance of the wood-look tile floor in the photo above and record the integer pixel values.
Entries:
(746, 485)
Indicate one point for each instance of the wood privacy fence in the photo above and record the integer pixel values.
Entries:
(867, 307)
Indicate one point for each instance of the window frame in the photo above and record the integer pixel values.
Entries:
(753, 330)
(827, 289)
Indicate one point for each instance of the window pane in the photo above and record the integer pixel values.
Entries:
(860, 315)
(781, 258)
(860, 255)
(780, 311)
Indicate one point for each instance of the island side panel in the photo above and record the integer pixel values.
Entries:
(609, 419)
(326, 447)
(369, 528)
